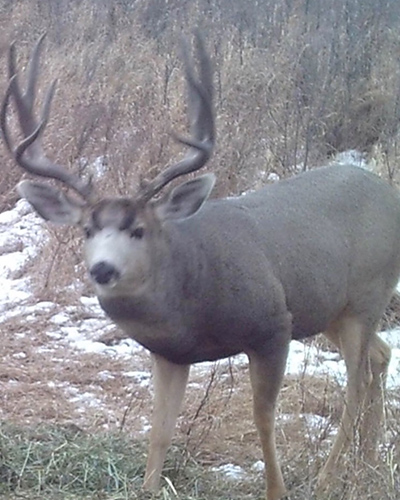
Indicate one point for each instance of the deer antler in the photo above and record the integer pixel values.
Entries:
(29, 153)
(200, 104)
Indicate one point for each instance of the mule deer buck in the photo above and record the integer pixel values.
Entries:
(193, 279)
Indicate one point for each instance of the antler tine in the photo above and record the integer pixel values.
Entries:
(3, 117)
(201, 115)
(29, 153)
(33, 73)
(200, 93)
(24, 100)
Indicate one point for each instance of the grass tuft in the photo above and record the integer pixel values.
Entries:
(51, 459)
(62, 462)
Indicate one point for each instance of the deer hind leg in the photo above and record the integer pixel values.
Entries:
(380, 354)
(266, 374)
(366, 357)
(170, 382)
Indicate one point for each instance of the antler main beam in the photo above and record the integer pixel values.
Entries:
(29, 152)
(201, 114)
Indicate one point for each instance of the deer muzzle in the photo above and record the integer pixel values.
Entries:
(104, 273)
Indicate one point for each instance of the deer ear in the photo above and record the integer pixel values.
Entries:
(50, 203)
(186, 199)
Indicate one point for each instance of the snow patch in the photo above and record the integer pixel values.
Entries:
(231, 472)
(352, 157)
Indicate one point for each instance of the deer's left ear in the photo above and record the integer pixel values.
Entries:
(50, 203)
(186, 199)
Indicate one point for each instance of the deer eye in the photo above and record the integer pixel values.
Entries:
(89, 232)
(138, 233)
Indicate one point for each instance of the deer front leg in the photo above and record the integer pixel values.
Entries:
(266, 374)
(170, 382)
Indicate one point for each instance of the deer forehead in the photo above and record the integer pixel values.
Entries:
(120, 213)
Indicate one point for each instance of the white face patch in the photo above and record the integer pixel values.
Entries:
(118, 250)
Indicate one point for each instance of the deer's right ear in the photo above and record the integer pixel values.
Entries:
(50, 203)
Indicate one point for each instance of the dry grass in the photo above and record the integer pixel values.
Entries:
(54, 460)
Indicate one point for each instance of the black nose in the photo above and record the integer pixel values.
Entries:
(102, 273)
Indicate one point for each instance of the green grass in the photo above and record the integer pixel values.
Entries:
(50, 460)
(54, 463)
